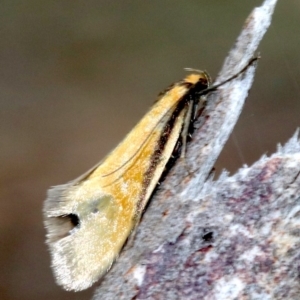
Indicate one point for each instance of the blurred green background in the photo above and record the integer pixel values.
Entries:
(76, 76)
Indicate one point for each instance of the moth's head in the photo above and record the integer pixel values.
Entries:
(199, 78)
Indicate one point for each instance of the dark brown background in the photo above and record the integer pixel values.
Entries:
(75, 76)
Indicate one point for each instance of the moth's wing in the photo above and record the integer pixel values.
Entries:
(89, 219)
(165, 155)
(58, 208)
(55, 202)
(79, 232)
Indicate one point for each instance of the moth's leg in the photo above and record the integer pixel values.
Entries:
(185, 129)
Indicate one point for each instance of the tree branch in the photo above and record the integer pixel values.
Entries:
(225, 239)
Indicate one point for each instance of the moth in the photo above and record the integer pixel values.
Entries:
(89, 219)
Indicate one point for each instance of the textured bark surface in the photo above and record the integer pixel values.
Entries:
(236, 237)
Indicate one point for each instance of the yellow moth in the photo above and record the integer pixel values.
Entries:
(88, 220)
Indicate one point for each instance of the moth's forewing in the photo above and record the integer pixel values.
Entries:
(89, 219)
